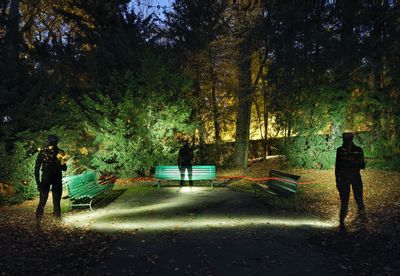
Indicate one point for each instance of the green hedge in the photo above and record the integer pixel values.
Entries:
(319, 151)
(16, 168)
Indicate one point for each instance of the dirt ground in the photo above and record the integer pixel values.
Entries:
(202, 231)
(145, 231)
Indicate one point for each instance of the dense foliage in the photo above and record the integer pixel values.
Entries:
(141, 129)
(89, 72)
(332, 70)
(121, 87)
(16, 168)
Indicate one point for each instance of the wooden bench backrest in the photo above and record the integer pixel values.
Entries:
(199, 172)
(77, 183)
(285, 185)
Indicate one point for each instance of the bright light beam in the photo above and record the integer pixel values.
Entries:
(101, 214)
(147, 218)
(150, 224)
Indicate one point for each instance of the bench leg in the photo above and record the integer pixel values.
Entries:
(69, 205)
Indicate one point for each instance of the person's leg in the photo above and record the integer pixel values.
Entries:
(343, 187)
(57, 192)
(190, 171)
(182, 171)
(43, 195)
(357, 186)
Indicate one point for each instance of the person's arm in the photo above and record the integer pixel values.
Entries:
(362, 160)
(38, 164)
(191, 155)
(179, 161)
(356, 158)
(337, 162)
(63, 164)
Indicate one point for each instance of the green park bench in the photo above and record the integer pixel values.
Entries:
(279, 184)
(85, 189)
(199, 172)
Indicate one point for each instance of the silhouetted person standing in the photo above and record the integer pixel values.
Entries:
(349, 161)
(50, 161)
(185, 160)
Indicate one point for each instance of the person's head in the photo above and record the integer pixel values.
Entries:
(348, 138)
(52, 140)
(185, 143)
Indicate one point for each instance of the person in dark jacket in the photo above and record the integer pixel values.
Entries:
(50, 161)
(349, 162)
(185, 162)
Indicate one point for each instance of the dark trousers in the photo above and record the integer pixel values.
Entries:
(182, 169)
(56, 189)
(343, 184)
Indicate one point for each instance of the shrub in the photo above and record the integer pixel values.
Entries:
(17, 168)
(131, 141)
(313, 151)
(136, 130)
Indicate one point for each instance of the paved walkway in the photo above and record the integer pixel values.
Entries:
(204, 232)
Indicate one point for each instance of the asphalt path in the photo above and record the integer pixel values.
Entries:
(200, 231)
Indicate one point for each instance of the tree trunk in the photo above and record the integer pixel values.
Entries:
(318, 38)
(266, 115)
(260, 125)
(12, 74)
(12, 32)
(240, 154)
(217, 127)
(197, 111)
(3, 8)
(378, 113)
(347, 41)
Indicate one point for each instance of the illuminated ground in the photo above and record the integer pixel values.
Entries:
(186, 209)
(210, 233)
(204, 232)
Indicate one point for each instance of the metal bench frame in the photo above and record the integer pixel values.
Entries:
(84, 189)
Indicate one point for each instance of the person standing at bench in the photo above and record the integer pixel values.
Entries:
(185, 160)
(50, 161)
(349, 162)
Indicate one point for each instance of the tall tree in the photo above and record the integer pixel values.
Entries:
(192, 26)
(244, 20)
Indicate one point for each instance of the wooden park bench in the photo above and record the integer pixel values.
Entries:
(85, 189)
(200, 172)
(279, 184)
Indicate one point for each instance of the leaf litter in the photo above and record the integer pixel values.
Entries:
(371, 249)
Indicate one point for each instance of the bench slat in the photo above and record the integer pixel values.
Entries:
(199, 172)
(89, 192)
(205, 172)
(85, 186)
(281, 184)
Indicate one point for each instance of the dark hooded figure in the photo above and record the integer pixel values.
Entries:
(349, 162)
(50, 162)
(185, 159)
